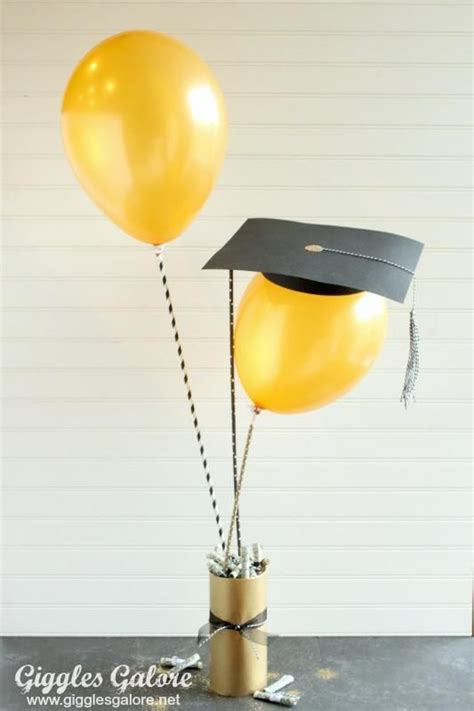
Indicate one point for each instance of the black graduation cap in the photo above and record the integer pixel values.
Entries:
(328, 259)
(322, 258)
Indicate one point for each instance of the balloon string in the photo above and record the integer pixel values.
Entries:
(159, 255)
(232, 403)
(256, 411)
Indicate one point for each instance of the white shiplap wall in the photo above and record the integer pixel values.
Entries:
(345, 112)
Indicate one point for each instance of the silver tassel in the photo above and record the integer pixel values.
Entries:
(413, 365)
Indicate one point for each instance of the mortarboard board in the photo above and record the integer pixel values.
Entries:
(322, 258)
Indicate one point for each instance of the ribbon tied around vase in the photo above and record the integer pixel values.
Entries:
(250, 629)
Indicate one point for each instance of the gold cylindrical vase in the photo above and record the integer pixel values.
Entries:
(237, 664)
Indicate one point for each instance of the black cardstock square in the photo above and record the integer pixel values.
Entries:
(290, 254)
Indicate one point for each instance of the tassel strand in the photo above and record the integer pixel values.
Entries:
(413, 365)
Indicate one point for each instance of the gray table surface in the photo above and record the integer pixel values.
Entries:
(331, 673)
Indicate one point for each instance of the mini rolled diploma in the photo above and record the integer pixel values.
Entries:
(250, 564)
(215, 568)
(188, 663)
(216, 556)
(277, 697)
(175, 661)
(279, 684)
(272, 692)
(245, 562)
(257, 553)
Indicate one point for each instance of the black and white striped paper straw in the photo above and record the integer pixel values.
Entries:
(192, 406)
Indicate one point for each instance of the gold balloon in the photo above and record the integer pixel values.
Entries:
(296, 351)
(144, 126)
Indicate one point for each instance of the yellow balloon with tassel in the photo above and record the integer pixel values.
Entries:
(296, 351)
(144, 127)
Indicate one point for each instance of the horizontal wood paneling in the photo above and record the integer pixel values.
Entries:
(139, 323)
(140, 383)
(142, 620)
(27, 171)
(288, 592)
(127, 443)
(351, 113)
(134, 260)
(22, 231)
(350, 141)
(373, 472)
(73, 352)
(277, 109)
(356, 501)
(246, 2)
(23, 46)
(317, 504)
(243, 201)
(331, 619)
(139, 531)
(245, 77)
(30, 316)
(231, 17)
(183, 562)
(133, 413)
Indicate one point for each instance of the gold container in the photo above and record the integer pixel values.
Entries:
(237, 665)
